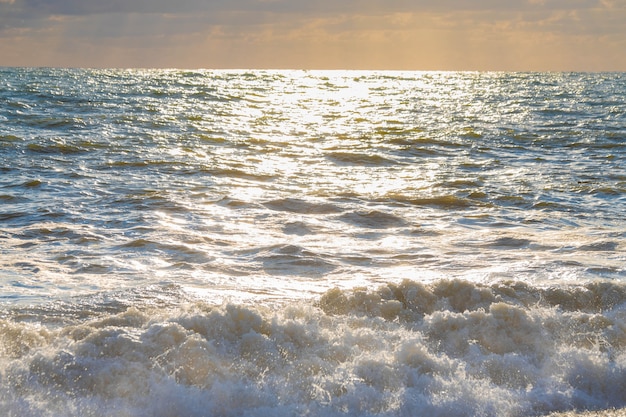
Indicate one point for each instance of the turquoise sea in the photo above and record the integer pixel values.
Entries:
(311, 243)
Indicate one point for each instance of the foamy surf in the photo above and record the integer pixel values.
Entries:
(603, 413)
(449, 348)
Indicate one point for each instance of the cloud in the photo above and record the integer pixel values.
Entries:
(29, 13)
(41, 8)
(455, 34)
(88, 7)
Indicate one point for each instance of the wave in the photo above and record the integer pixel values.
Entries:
(446, 348)
(56, 147)
(296, 205)
(290, 260)
(446, 201)
(372, 219)
(359, 159)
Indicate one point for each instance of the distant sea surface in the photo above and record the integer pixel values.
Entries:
(311, 243)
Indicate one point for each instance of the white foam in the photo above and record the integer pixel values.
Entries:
(447, 348)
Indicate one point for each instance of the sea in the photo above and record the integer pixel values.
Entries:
(311, 243)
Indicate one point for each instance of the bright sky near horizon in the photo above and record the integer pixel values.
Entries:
(516, 35)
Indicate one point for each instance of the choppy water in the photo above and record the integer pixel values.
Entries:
(266, 243)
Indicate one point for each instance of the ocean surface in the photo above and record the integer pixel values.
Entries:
(311, 243)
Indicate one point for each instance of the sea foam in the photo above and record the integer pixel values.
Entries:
(447, 348)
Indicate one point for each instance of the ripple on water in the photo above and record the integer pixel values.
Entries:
(372, 219)
(295, 205)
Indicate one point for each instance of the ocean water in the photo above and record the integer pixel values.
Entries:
(311, 243)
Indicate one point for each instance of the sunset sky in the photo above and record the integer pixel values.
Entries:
(537, 35)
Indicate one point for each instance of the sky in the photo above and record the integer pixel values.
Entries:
(498, 35)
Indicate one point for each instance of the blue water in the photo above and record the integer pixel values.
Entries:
(349, 243)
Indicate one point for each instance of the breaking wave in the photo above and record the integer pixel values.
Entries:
(450, 347)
